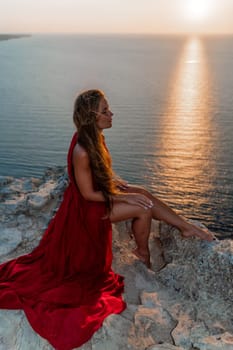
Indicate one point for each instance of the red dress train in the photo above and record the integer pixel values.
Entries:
(65, 285)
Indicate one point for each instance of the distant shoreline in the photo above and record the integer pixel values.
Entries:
(12, 36)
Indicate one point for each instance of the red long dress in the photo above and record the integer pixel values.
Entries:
(65, 285)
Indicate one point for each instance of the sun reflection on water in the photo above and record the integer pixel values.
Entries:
(186, 139)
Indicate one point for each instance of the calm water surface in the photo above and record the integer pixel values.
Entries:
(173, 112)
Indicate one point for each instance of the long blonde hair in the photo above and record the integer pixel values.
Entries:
(90, 138)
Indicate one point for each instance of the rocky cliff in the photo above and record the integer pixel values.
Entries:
(183, 302)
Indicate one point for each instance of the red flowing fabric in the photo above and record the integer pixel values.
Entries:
(66, 286)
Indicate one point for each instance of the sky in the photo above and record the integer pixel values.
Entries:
(117, 16)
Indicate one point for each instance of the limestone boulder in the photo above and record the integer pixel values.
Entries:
(10, 238)
(215, 342)
(196, 268)
(184, 302)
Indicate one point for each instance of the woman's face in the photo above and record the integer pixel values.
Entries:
(104, 115)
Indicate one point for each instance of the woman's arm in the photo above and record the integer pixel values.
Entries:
(83, 178)
(83, 175)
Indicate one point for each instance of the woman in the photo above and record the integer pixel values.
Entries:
(91, 160)
(66, 286)
(93, 173)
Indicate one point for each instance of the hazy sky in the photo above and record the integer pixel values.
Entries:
(116, 16)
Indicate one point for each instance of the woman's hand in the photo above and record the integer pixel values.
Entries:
(121, 184)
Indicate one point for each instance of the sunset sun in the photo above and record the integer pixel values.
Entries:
(197, 9)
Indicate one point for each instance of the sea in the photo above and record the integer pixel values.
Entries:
(173, 112)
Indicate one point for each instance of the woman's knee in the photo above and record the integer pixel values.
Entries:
(145, 212)
(141, 190)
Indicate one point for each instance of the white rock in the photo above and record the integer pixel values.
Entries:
(5, 180)
(13, 205)
(197, 268)
(17, 334)
(149, 300)
(187, 331)
(216, 342)
(9, 240)
(24, 221)
(9, 328)
(191, 297)
(155, 323)
(165, 346)
(114, 335)
(37, 201)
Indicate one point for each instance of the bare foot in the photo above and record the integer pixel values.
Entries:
(144, 257)
(192, 230)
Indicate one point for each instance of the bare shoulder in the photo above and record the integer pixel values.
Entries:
(80, 154)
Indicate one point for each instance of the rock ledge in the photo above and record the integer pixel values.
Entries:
(186, 305)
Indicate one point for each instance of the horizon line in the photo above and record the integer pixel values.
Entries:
(123, 33)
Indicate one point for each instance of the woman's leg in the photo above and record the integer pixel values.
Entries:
(161, 211)
(140, 226)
